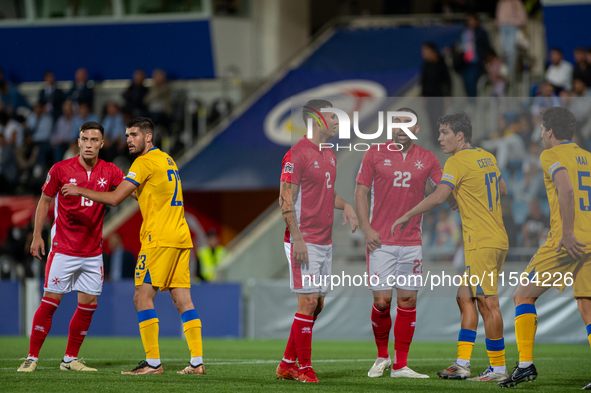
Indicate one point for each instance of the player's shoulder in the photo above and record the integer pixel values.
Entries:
(426, 153)
(64, 164)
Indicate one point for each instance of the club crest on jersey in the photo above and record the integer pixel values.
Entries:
(419, 165)
(102, 182)
(332, 161)
(387, 162)
(316, 165)
(288, 168)
(72, 181)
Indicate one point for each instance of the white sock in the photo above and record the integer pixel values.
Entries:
(153, 362)
(500, 369)
(68, 359)
(33, 358)
(196, 361)
(463, 362)
(525, 364)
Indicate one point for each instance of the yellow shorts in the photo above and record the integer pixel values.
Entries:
(483, 266)
(164, 267)
(552, 269)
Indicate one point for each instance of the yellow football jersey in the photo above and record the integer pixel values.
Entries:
(161, 201)
(474, 176)
(577, 162)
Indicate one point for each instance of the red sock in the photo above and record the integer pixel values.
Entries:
(302, 327)
(79, 328)
(404, 329)
(290, 354)
(41, 324)
(381, 322)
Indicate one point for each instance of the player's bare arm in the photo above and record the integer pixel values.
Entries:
(566, 202)
(503, 187)
(111, 198)
(372, 237)
(348, 212)
(286, 201)
(440, 195)
(40, 217)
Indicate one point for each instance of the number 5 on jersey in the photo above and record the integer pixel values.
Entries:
(85, 201)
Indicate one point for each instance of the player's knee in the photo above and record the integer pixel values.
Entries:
(407, 302)
(310, 304)
(382, 303)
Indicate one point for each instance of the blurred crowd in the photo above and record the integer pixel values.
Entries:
(34, 137)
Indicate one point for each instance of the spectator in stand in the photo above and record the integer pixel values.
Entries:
(536, 226)
(115, 141)
(135, 94)
(52, 97)
(545, 98)
(582, 69)
(62, 133)
(506, 144)
(579, 102)
(13, 102)
(84, 115)
(13, 131)
(8, 167)
(560, 71)
(474, 44)
(510, 17)
(119, 263)
(158, 99)
(435, 82)
(40, 123)
(27, 155)
(498, 73)
(82, 91)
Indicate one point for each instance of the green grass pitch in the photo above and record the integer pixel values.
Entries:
(244, 365)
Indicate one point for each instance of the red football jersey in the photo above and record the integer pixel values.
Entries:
(78, 226)
(397, 184)
(315, 172)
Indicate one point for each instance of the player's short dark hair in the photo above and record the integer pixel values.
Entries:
(556, 49)
(406, 109)
(145, 124)
(561, 121)
(314, 104)
(92, 125)
(457, 122)
(580, 49)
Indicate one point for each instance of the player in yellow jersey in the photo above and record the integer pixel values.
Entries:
(471, 173)
(163, 262)
(565, 258)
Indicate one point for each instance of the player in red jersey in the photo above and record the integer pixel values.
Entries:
(75, 260)
(396, 174)
(307, 203)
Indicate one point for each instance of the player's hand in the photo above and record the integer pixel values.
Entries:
(372, 239)
(404, 220)
(300, 252)
(37, 244)
(571, 244)
(453, 204)
(349, 214)
(70, 190)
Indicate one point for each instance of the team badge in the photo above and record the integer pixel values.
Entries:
(102, 182)
(316, 165)
(419, 165)
(288, 168)
(73, 181)
(387, 162)
(332, 161)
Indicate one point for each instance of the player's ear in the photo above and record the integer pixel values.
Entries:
(460, 136)
(417, 129)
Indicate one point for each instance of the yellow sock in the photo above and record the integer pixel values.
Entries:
(466, 340)
(496, 351)
(192, 329)
(526, 324)
(148, 322)
(589, 333)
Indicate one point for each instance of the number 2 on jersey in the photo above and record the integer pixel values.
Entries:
(488, 179)
(328, 185)
(173, 175)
